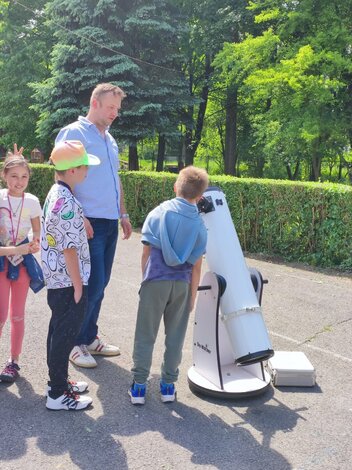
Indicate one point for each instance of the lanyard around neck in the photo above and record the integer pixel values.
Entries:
(14, 236)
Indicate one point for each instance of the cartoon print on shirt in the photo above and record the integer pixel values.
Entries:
(64, 229)
(58, 205)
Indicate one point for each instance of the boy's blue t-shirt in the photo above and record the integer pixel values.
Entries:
(157, 270)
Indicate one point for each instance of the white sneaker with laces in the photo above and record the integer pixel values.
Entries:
(68, 401)
(78, 387)
(75, 387)
(99, 347)
(81, 357)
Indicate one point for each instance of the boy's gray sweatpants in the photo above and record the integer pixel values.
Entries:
(157, 299)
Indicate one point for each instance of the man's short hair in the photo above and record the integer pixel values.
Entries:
(104, 88)
(191, 182)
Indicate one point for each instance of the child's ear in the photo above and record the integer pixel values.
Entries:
(174, 187)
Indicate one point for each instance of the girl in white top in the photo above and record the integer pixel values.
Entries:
(19, 215)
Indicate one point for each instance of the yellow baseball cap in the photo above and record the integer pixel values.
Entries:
(71, 154)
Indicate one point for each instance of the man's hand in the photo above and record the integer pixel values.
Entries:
(126, 228)
(89, 228)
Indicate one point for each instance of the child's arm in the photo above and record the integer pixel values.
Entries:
(145, 256)
(196, 271)
(71, 260)
(24, 249)
(36, 228)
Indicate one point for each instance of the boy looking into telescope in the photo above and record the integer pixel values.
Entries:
(174, 239)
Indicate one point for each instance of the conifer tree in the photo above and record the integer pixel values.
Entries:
(131, 43)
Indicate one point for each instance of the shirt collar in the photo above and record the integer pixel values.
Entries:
(86, 121)
(65, 185)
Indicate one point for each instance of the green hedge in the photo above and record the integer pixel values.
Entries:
(41, 180)
(309, 222)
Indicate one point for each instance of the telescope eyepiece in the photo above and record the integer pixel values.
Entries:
(205, 204)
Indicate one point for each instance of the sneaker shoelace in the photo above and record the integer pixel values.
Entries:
(70, 386)
(84, 350)
(100, 342)
(11, 369)
(167, 389)
(71, 399)
(138, 390)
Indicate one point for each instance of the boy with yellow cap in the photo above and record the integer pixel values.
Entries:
(66, 267)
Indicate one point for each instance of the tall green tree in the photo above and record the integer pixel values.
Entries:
(211, 22)
(234, 64)
(130, 43)
(24, 44)
(299, 103)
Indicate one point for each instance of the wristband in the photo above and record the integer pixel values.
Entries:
(124, 216)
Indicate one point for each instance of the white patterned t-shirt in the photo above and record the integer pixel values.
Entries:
(63, 228)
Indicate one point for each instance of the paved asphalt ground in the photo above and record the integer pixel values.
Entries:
(285, 428)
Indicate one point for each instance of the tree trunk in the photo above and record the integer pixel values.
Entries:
(315, 168)
(259, 167)
(340, 169)
(289, 172)
(188, 147)
(133, 164)
(161, 153)
(295, 174)
(192, 142)
(292, 176)
(231, 132)
(222, 143)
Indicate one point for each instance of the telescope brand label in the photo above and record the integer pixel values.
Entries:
(205, 348)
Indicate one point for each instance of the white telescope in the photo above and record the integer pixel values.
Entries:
(230, 337)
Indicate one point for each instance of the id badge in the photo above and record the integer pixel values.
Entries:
(15, 260)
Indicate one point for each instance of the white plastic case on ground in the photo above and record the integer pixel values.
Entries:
(292, 369)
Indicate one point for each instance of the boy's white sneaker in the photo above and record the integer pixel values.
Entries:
(99, 347)
(81, 357)
(75, 387)
(68, 401)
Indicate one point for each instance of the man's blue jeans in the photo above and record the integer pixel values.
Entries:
(102, 249)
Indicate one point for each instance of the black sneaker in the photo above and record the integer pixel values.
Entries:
(10, 373)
